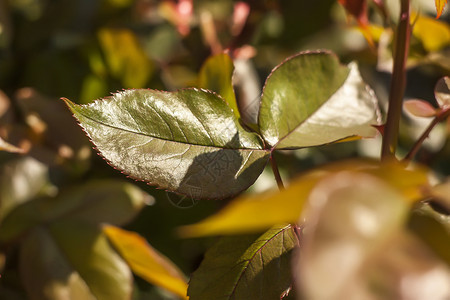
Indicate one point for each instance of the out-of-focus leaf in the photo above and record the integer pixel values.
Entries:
(111, 202)
(310, 93)
(440, 4)
(187, 141)
(146, 262)
(72, 259)
(215, 75)
(442, 91)
(246, 267)
(126, 58)
(20, 181)
(53, 126)
(433, 34)
(433, 227)
(354, 223)
(419, 108)
(258, 212)
(357, 8)
(5, 146)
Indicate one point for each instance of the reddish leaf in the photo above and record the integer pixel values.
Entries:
(440, 4)
(358, 9)
(419, 108)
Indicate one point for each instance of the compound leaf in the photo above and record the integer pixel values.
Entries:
(187, 141)
(311, 99)
(247, 267)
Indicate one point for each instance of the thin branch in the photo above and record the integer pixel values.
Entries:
(276, 172)
(415, 148)
(398, 83)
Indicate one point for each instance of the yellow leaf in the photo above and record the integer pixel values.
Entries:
(125, 56)
(258, 212)
(440, 4)
(433, 34)
(146, 262)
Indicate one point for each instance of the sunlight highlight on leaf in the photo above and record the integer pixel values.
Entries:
(328, 97)
(146, 262)
(188, 141)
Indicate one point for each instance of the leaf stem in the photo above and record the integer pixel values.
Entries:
(276, 172)
(398, 83)
(445, 113)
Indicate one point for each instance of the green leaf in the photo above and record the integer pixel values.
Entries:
(74, 260)
(246, 267)
(433, 228)
(216, 75)
(126, 59)
(243, 215)
(311, 99)
(147, 262)
(187, 141)
(113, 202)
(431, 221)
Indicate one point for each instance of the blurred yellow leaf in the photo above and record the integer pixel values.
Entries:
(440, 4)
(258, 212)
(433, 34)
(215, 75)
(146, 262)
(126, 59)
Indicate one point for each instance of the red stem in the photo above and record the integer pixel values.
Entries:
(440, 117)
(398, 83)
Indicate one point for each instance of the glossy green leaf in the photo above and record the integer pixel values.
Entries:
(216, 75)
(354, 223)
(187, 141)
(246, 267)
(243, 214)
(147, 262)
(311, 99)
(113, 202)
(72, 259)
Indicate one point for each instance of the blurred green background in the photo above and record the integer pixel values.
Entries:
(86, 49)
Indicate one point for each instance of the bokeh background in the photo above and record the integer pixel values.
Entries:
(86, 49)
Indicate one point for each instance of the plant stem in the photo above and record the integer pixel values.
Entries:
(398, 83)
(276, 172)
(440, 117)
